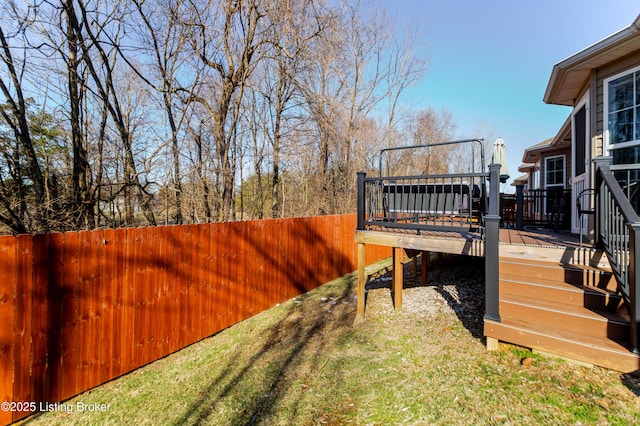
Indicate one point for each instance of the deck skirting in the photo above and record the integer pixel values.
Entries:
(443, 242)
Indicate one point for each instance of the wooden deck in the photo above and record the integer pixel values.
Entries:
(535, 237)
(555, 296)
(532, 243)
(538, 237)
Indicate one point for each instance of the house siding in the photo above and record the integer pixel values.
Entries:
(603, 73)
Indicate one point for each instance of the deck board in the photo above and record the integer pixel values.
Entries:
(528, 237)
(532, 243)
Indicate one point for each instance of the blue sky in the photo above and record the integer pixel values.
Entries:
(490, 61)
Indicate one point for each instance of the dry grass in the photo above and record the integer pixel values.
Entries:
(304, 363)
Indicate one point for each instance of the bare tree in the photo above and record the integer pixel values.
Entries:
(15, 116)
(226, 37)
(295, 26)
(98, 31)
(167, 47)
(427, 127)
(403, 69)
(344, 81)
(189, 100)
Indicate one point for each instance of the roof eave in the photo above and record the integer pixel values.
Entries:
(579, 62)
(533, 153)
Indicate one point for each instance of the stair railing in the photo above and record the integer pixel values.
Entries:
(618, 234)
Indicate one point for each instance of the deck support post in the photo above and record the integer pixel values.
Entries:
(634, 281)
(361, 201)
(492, 344)
(519, 207)
(423, 267)
(362, 280)
(398, 254)
(491, 247)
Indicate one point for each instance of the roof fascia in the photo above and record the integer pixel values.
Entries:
(585, 55)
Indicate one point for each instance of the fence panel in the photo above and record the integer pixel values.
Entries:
(81, 308)
(54, 315)
(119, 300)
(108, 300)
(7, 315)
(22, 390)
(39, 317)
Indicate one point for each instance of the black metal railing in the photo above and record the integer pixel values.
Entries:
(452, 201)
(550, 208)
(618, 234)
(435, 202)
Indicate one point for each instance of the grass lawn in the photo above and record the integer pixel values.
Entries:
(304, 363)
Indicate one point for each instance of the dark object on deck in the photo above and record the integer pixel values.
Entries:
(433, 200)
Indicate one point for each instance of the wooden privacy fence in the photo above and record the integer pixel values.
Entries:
(81, 308)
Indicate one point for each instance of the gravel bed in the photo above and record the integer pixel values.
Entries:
(455, 285)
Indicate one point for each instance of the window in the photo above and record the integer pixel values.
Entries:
(554, 171)
(622, 131)
(580, 141)
(554, 183)
(622, 115)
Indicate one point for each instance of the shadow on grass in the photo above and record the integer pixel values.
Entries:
(292, 347)
(458, 279)
(631, 382)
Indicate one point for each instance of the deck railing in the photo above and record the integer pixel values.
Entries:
(549, 208)
(413, 198)
(618, 234)
(427, 202)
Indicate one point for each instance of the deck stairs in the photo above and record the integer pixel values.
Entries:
(569, 308)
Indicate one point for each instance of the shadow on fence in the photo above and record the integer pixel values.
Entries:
(81, 308)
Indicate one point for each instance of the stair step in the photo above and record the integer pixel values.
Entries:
(573, 256)
(604, 352)
(566, 305)
(573, 318)
(549, 272)
(572, 294)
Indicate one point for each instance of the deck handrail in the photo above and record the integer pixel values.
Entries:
(548, 207)
(422, 202)
(472, 142)
(618, 234)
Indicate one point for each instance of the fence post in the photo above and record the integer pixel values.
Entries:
(491, 246)
(634, 279)
(361, 205)
(519, 206)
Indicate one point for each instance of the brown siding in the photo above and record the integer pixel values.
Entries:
(626, 63)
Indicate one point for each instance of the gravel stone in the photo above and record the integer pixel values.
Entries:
(455, 284)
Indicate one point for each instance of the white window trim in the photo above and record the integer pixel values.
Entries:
(564, 172)
(605, 113)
